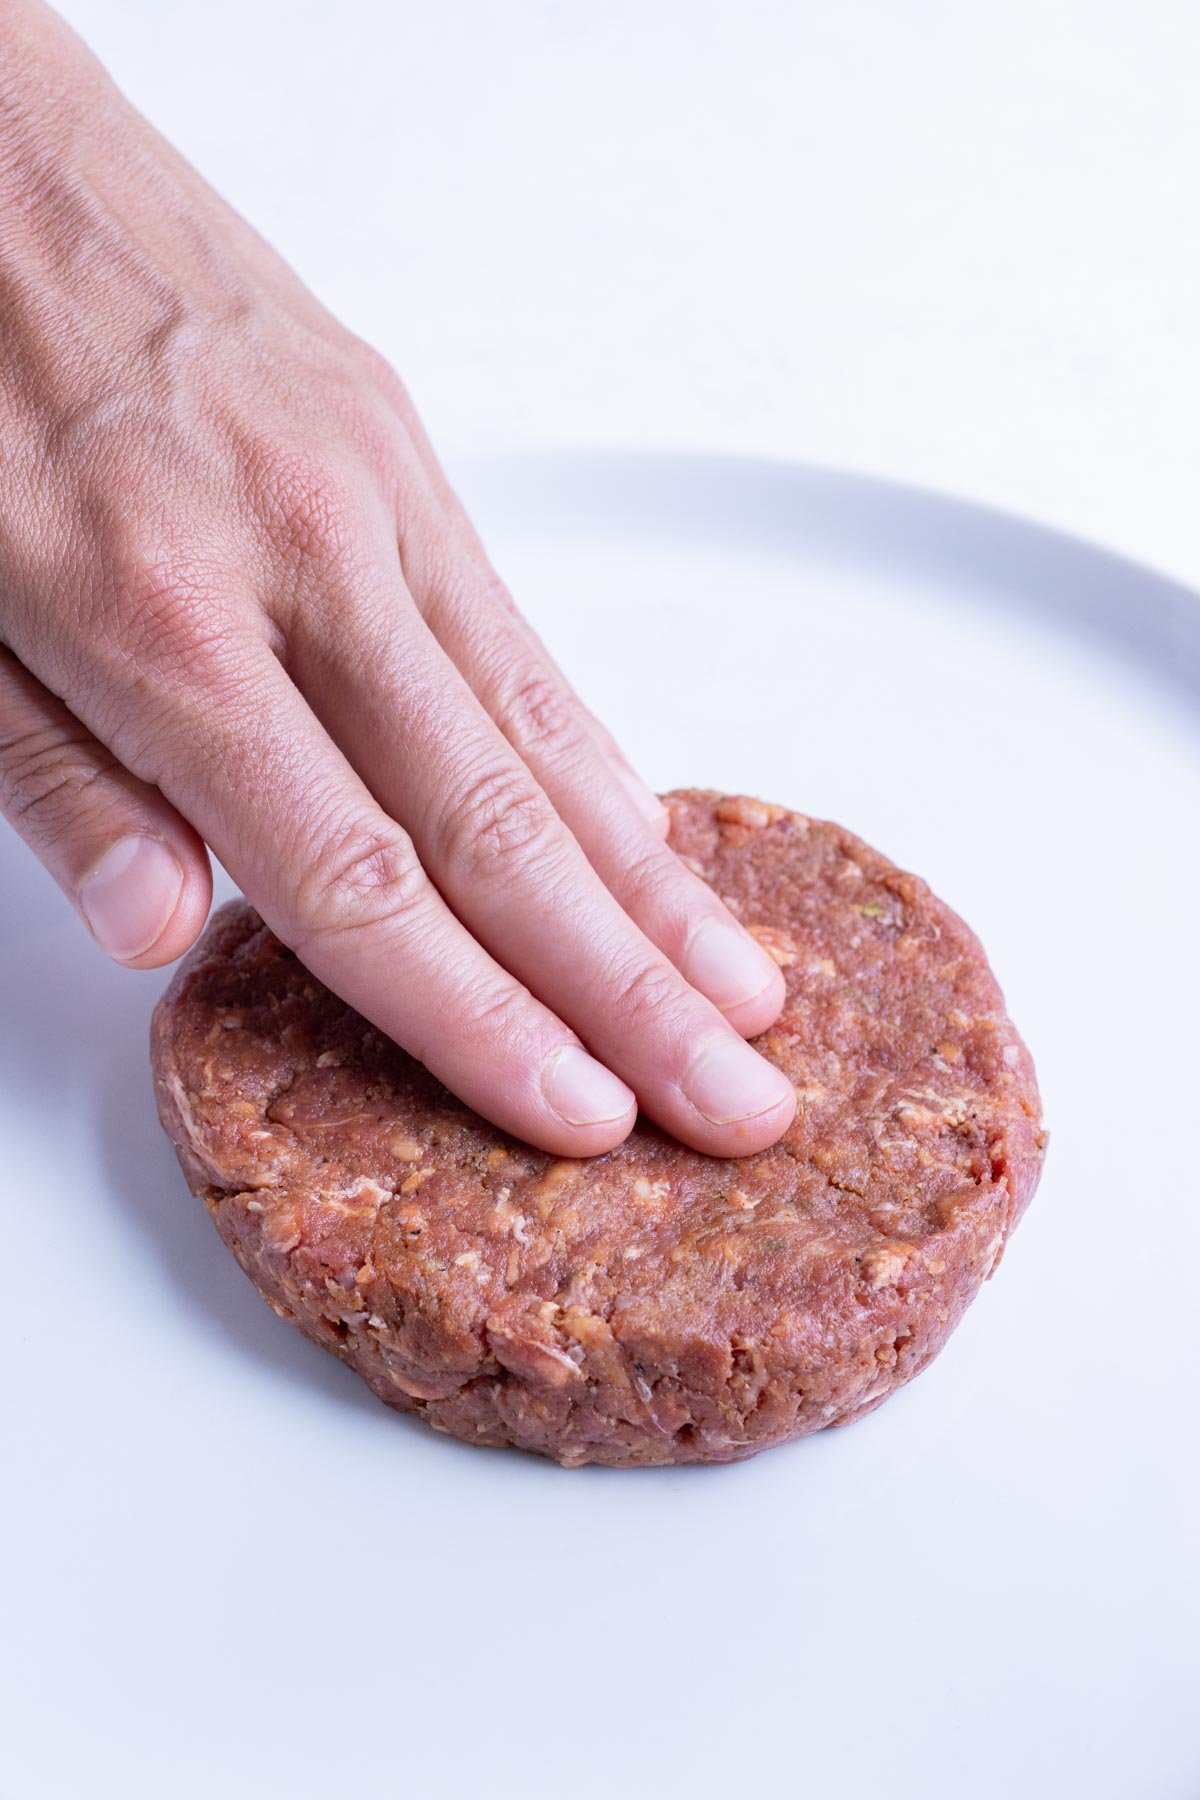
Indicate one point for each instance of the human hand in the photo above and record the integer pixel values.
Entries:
(241, 606)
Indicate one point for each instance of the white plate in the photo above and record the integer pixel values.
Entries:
(227, 1569)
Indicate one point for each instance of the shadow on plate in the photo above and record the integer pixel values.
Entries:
(75, 1028)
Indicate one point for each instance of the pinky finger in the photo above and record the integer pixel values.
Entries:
(135, 871)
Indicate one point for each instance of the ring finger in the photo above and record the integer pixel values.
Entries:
(515, 875)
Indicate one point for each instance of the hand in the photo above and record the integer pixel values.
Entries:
(241, 606)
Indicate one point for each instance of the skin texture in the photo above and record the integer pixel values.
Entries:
(651, 1305)
(240, 607)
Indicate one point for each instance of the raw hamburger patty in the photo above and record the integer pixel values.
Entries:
(653, 1305)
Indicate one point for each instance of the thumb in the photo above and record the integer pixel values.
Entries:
(134, 869)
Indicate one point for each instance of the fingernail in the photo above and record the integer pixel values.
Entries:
(130, 895)
(581, 1090)
(730, 1081)
(726, 965)
(647, 803)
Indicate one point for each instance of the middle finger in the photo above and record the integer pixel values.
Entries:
(506, 863)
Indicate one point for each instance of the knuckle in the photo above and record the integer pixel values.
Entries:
(43, 779)
(536, 711)
(496, 817)
(158, 605)
(363, 877)
(166, 728)
(498, 1013)
(308, 508)
(156, 690)
(651, 884)
(647, 995)
(175, 616)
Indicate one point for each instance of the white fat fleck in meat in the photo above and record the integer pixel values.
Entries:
(650, 1192)
(991, 1254)
(196, 1142)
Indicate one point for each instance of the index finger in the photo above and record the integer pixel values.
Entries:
(239, 753)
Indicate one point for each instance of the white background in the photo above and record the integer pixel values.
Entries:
(953, 242)
(949, 244)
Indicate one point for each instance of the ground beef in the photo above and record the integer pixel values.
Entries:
(652, 1305)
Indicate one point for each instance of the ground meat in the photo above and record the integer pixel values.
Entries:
(653, 1305)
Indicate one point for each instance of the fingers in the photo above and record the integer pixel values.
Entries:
(364, 917)
(577, 761)
(495, 848)
(594, 791)
(137, 873)
(337, 879)
(435, 580)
